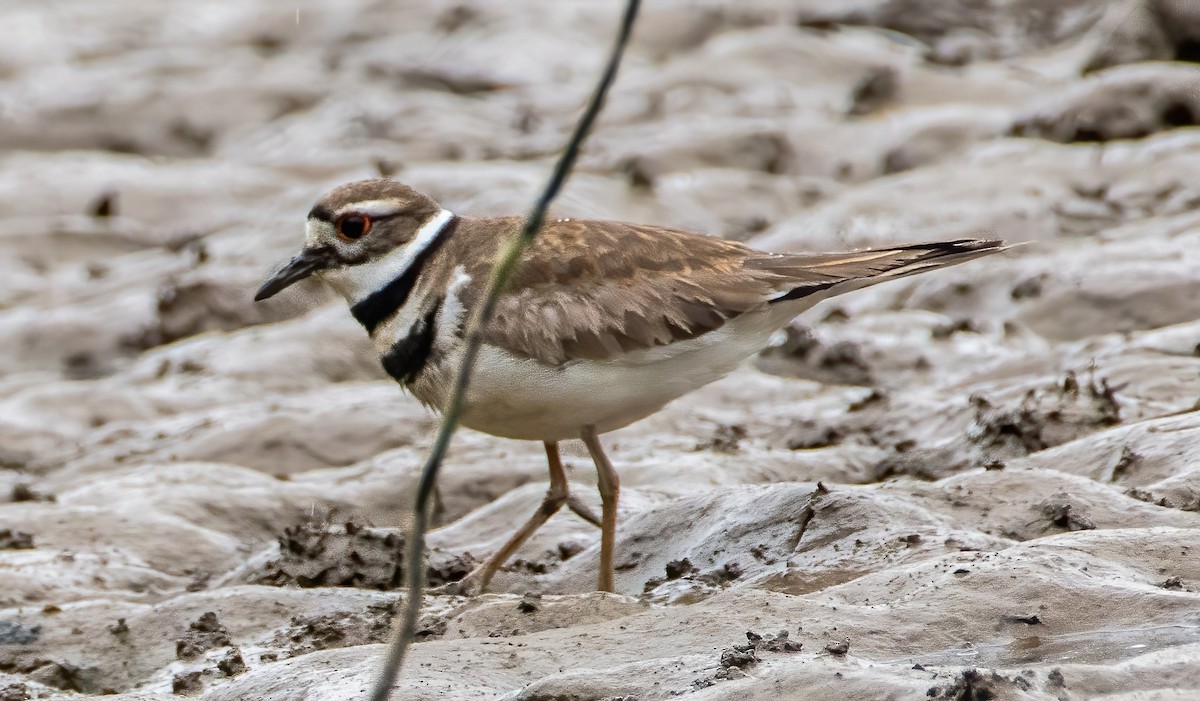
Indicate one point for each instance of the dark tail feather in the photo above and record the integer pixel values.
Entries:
(838, 273)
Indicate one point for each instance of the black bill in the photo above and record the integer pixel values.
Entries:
(306, 262)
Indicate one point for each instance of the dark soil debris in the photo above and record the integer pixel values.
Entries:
(720, 576)
(530, 603)
(569, 549)
(839, 648)
(874, 90)
(120, 628)
(679, 568)
(1129, 460)
(13, 633)
(803, 355)
(1044, 417)
(947, 330)
(726, 439)
(971, 685)
(1062, 514)
(921, 463)
(735, 660)
(684, 569)
(1182, 497)
(808, 435)
(23, 491)
(315, 555)
(187, 684)
(204, 634)
(1025, 620)
(60, 675)
(772, 643)
(104, 206)
(1027, 289)
(232, 664)
(15, 540)
(844, 362)
(872, 398)
(1055, 679)
(340, 629)
(14, 692)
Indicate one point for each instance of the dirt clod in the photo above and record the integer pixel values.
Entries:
(1061, 513)
(120, 628)
(874, 91)
(15, 540)
(971, 685)
(772, 643)
(1025, 620)
(232, 664)
(24, 491)
(1044, 417)
(808, 435)
(726, 438)
(14, 692)
(947, 330)
(202, 635)
(339, 629)
(679, 568)
(802, 354)
(530, 603)
(187, 683)
(738, 658)
(1055, 679)
(313, 555)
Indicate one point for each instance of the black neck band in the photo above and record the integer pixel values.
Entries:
(380, 305)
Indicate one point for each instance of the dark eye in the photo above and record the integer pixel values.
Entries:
(353, 227)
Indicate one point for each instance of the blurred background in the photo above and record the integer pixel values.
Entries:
(161, 436)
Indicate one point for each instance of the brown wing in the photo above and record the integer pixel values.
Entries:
(597, 289)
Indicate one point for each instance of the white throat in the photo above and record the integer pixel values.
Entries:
(357, 282)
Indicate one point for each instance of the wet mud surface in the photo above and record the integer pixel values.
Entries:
(976, 484)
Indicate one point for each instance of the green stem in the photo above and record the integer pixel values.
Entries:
(502, 272)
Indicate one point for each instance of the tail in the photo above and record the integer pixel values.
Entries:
(806, 275)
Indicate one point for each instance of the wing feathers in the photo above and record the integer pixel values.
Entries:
(596, 290)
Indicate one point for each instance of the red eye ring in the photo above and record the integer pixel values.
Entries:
(352, 227)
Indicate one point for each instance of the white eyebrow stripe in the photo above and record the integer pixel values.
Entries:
(426, 235)
(364, 280)
(371, 208)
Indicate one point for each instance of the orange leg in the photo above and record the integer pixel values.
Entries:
(556, 496)
(610, 489)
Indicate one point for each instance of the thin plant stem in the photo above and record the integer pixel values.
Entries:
(502, 272)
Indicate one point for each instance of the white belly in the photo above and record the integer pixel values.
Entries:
(520, 398)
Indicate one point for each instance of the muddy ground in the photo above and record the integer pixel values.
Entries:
(980, 483)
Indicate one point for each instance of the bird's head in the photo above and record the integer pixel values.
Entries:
(352, 233)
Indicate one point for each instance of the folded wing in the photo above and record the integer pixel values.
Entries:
(601, 289)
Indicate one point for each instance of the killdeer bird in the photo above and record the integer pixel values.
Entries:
(604, 323)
